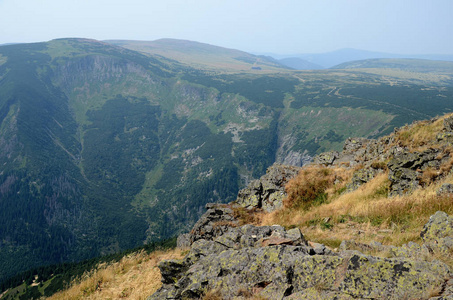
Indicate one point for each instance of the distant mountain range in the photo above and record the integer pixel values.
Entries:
(334, 58)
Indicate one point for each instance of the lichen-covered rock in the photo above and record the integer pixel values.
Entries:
(448, 124)
(438, 234)
(405, 168)
(183, 241)
(354, 144)
(439, 226)
(268, 192)
(360, 177)
(378, 278)
(446, 188)
(281, 271)
(217, 220)
(273, 263)
(445, 137)
(326, 158)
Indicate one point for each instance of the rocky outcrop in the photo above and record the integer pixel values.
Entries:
(268, 192)
(405, 169)
(360, 177)
(447, 135)
(358, 151)
(326, 158)
(214, 222)
(275, 263)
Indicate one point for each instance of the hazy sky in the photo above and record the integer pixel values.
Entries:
(284, 26)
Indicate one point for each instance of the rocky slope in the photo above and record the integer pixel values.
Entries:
(230, 260)
(280, 264)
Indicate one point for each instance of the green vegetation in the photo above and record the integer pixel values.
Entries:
(104, 149)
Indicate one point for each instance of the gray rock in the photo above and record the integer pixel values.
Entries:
(354, 144)
(268, 192)
(216, 221)
(445, 137)
(448, 124)
(326, 158)
(446, 188)
(242, 263)
(361, 177)
(183, 241)
(405, 168)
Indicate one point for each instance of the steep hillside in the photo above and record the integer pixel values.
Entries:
(362, 223)
(103, 148)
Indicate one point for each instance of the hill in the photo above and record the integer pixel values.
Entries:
(103, 148)
(299, 64)
(413, 65)
(333, 58)
(200, 55)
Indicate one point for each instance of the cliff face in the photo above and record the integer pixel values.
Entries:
(229, 260)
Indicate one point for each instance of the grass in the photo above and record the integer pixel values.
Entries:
(366, 214)
(419, 135)
(135, 276)
(317, 203)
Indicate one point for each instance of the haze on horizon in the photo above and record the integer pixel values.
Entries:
(284, 27)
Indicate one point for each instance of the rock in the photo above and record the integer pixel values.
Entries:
(326, 158)
(217, 220)
(354, 144)
(439, 226)
(183, 241)
(405, 167)
(448, 124)
(320, 249)
(273, 263)
(445, 137)
(446, 188)
(360, 177)
(171, 270)
(281, 271)
(268, 192)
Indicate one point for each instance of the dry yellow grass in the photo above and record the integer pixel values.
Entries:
(420, 135)
(135, 276)
(366, 214)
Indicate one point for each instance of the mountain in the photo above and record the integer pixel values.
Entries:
(333, 58)
(203, 55)
(299, 64)
(405, 64)
(103, 148)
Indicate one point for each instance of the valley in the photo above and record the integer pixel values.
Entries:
(105, 148)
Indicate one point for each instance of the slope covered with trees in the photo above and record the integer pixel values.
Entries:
(104, 149)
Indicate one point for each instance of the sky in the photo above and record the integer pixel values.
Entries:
(258, 26)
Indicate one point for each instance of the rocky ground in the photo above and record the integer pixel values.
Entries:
(229, 260)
